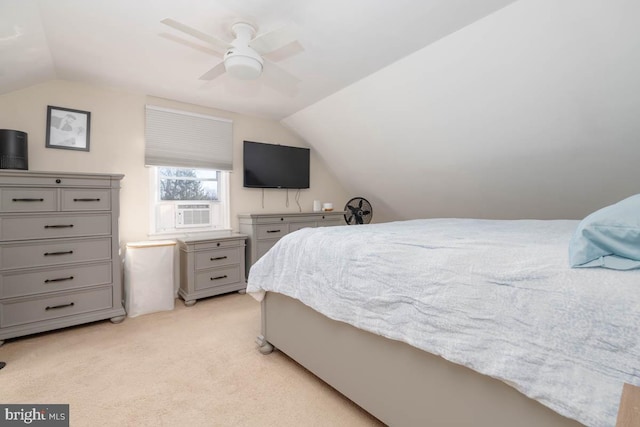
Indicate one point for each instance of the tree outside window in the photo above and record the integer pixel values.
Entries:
(188, 184)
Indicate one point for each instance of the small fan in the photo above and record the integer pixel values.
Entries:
(358, 210)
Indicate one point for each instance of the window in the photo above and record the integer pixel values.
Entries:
(188, 184)
(189, 200)
(190, 156)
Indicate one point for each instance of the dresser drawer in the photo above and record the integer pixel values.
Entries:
(86, 200)
(28, 199)
(308, 218)
(295, 226)
(271, 220)
(29, 282)
(217, 258)
(271, 231)
(331, 222)
(263, 246)
(217, 277)
(19, 312)
(42, 253)
(54, 226)
(54, 180)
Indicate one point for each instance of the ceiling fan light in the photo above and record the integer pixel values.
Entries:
(243, 67)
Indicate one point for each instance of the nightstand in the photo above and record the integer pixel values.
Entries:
(211, 265)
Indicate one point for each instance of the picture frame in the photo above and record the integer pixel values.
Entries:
(68, 129)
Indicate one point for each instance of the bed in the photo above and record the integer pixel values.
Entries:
(454, 321)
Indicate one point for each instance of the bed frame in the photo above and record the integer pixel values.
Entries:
(398, 384)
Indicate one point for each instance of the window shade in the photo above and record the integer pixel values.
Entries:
(189, 140)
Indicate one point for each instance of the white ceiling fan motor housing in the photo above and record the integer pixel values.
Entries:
(241, 61)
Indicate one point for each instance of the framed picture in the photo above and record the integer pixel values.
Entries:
(68, 129)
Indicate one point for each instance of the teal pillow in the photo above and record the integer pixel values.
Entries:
(609, 237)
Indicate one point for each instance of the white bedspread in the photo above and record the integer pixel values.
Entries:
(496, 296)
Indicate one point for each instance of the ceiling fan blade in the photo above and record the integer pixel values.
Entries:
(191, 44)
(279, 79)
(284, 52)
(214, 41)
(272, 40)
(216, 71)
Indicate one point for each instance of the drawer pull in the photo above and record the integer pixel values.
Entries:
(218, 258)
(61, 279)
(58, 253)
(86, 200)
(59, 226)
(54, 307)
(273, 231)
(27, 200)
(219, 277)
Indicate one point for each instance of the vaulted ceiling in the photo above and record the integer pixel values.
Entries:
(531, 112)
(483, 108)
(122, 43)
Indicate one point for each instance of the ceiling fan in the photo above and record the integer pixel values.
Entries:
(243, 57)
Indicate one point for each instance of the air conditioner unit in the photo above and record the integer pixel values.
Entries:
(193, 215)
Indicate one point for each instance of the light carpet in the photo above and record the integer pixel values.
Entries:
(192, 366)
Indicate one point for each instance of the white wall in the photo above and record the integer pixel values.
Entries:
(117, 146)
(530, 112)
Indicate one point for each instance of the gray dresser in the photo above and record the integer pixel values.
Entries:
(211, 265)
(59, 251)
(264, 230)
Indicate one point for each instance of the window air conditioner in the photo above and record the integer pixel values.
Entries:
(193, 215)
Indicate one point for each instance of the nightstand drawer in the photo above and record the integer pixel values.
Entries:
(272, 231)
(218, 245)
(28, 199)
(217, 258)
(54, 226)
(30, 282)
(19, 312)
(217, 277)
(86, 200)
(42, 253)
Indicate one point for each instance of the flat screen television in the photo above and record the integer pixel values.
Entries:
(275, 166)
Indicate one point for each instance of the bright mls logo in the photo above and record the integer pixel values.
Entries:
(34, 415)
